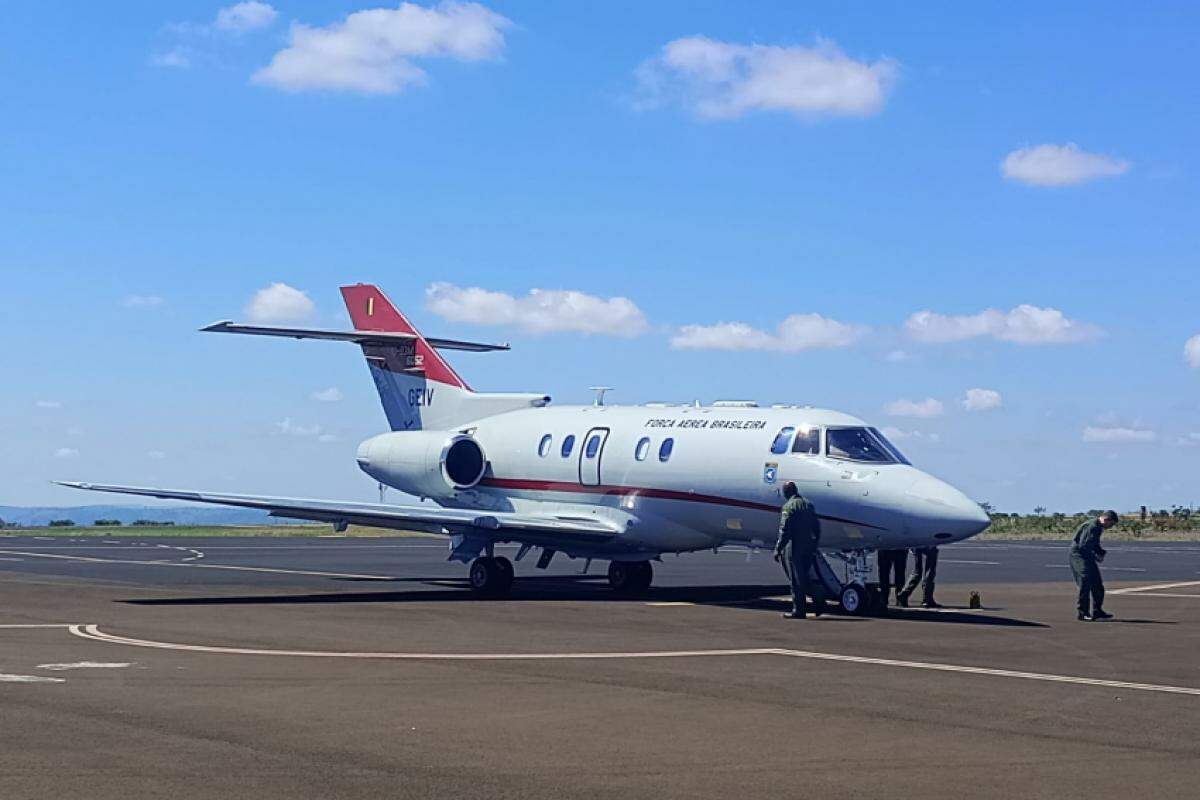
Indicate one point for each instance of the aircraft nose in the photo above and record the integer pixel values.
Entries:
(940, 510)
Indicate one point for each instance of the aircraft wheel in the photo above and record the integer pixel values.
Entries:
(630, 577)
(854, 600)
(489, 578)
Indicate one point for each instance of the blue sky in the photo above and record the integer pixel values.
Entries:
(852, 164)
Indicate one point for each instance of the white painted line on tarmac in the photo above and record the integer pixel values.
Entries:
(981, 563)
(1105, 569)
(36, 625)
(86, 665)
(273, 570)
(1153, 587)
(29, 679)
(1164, 594)
(93, 632)
(12, 559)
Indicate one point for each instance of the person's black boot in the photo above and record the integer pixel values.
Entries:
(1100, 613)
(1082, 617)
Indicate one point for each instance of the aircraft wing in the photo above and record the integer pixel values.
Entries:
(456, 520)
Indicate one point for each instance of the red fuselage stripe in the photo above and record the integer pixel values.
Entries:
(530, 485)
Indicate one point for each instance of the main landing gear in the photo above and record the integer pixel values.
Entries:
(630, 577)
(491, 576)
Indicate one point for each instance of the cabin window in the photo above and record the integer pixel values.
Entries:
(544, 445)
(593, 446)
(643, 448)
(664, 449)
(808, 441)
(780, 445)
(568, 444)
(891, 447)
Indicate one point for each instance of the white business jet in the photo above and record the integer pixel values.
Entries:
(623, 484)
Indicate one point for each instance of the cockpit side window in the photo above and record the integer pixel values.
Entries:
(856, 444)
(780, 445)
(808, 441)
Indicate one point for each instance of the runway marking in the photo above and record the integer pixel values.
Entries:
(1153, 587)
(29, 679)
(86, 665)
(204, 566)
(12, 559)
(36, 625)
(1165, 594)
(93, 632)
(983, 563)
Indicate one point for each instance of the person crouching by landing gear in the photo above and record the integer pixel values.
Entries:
(1086, 555)
(796, 549)
(892, 566)
(925, 561)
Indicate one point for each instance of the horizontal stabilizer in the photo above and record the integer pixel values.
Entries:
(357, 337)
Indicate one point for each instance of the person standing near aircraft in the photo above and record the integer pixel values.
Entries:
(892, 566)
(796, 549)
(925, 561)
(1086, 556)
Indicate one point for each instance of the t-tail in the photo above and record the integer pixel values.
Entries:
(418, 388)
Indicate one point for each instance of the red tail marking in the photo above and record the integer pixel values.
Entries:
(370, 310)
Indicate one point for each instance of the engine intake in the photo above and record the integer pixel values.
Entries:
(424, 463)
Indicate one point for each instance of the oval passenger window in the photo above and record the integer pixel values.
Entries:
(544, 445)
(643, 447)
(664, 449)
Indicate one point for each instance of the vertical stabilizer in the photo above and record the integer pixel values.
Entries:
(417, 386)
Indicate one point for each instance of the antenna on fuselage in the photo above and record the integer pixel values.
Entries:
(382, 492)
(599, 390)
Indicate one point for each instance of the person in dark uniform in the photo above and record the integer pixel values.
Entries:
(796, 549)
(925, 574)
(892, 566)
(1086, 555)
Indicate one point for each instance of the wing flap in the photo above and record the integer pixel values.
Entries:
(380, 515)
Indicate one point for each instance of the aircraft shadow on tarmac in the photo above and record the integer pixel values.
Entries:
(585, 588)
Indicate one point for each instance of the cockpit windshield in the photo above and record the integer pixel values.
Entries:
(891, 447)
(859, 444)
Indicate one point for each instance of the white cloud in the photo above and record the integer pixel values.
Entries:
(1191, 440)
(1191, 351)
(540, 311)
(796, 333)
(327, 437)
(1024, 324)
(921, 409)
(724, 80)
(246, 16)
(48, 404)
(899, 434)
(896, 356)
(982, 400)
(1096, 434)
(330, 395)
(66, 452)
(372, 51)
(279, 303)
(175, 58)
(1059, 165)
(142, 301)
(289, 428)
(156, 455)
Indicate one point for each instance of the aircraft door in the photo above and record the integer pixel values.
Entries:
(590, 455)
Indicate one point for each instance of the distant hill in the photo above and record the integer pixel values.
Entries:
(34, 516)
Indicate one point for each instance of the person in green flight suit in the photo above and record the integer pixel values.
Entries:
(796, 549)
(1086, 556)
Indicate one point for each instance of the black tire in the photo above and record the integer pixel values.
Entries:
(854, 600)
(630, 577)
(488, 578)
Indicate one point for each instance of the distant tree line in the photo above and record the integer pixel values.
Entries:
(1144, 520)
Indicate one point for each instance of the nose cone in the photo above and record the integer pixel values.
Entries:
(939, 510)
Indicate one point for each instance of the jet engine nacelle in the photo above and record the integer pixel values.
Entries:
(423, 463)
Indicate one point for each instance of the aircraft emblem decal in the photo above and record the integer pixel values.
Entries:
(770, 472)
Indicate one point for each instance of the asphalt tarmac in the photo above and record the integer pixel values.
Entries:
(340, 667)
